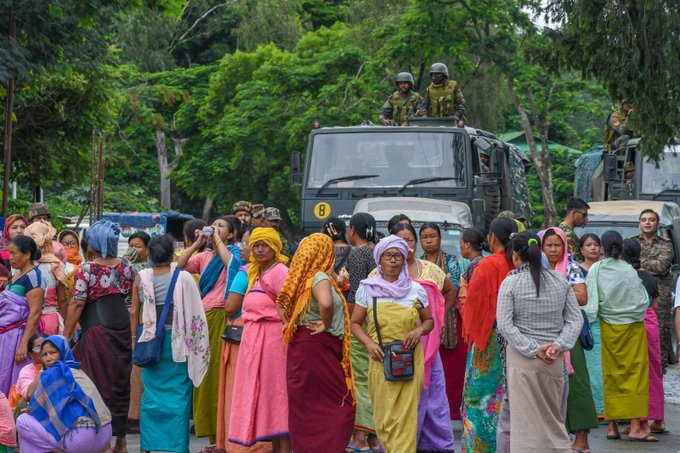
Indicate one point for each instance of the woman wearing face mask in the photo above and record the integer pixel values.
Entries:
(218, 265)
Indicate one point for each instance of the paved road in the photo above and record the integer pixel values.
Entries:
(669, 443)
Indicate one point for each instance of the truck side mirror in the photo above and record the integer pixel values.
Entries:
(496, 162)
(609, 167)
(295, 168)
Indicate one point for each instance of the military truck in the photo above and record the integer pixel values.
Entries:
(623, 216)
(431, 158)
(626, 174)
(452, 217)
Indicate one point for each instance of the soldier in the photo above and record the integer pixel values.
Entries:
(576, 216)
(402, 103)
(38, 212)
(257, 217)
(243, 210)
(443, 97)
(272, 219)
(484, 160)
(656, 257)
(617, 132)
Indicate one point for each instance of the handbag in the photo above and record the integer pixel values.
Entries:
(398, 360)
(586, 336)
(148, 353)
(232, 333)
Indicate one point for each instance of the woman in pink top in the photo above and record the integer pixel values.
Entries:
(217, 265)
(260, 395)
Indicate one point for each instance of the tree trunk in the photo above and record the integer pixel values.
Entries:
(549, 210)
(9, 109)
(542, 161)
(207, 209)
(162, 152)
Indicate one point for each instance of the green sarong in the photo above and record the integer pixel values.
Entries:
(205, 395)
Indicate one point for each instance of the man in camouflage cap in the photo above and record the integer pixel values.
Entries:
(272, 219)
(243, 210)
(401, 103)
(657, 256)
(257, 216)
(38, 212)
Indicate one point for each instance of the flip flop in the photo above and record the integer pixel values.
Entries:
(647, 438)
(659, 431)
(616, 436)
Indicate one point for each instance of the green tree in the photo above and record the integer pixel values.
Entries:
(633, 49)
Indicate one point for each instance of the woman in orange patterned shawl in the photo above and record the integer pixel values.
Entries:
(316, 332)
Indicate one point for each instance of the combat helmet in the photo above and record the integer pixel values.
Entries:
(404, 77)
(439, 67)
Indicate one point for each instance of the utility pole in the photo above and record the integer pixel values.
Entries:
(9, 108)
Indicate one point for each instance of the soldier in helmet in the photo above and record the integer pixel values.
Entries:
(443, 97)
(401, 103)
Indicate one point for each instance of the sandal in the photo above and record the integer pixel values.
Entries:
(647, 438)
(616, 436)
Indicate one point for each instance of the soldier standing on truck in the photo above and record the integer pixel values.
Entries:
(402, 103)
(656, 257)
(576, 216)
(617, 131)
(443, 97)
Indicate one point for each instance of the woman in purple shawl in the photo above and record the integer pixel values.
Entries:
(399, 304)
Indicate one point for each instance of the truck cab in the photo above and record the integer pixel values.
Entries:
(344, 165)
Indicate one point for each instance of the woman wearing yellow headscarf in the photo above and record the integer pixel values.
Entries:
(319, 375)
(260, 398)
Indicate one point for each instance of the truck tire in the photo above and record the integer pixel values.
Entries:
(492, 201)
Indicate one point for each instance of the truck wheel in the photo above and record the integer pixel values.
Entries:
(492, 201)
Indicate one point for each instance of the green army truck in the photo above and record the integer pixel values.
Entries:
(627, 174)
(426, 159)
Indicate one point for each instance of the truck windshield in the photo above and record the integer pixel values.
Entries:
(392, 159)
(664, 177)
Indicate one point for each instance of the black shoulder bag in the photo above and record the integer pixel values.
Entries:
(148, 353)
(398, 358)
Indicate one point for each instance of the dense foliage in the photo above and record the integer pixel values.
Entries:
(228, 89)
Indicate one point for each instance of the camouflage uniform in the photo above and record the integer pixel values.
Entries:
(572, 242)
(397, 107)
(656, 257)
(617, 131)
(443, 100)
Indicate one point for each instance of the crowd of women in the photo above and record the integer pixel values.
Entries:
(356, 344)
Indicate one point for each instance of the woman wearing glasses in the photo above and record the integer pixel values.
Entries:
(399, 303)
